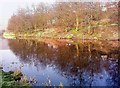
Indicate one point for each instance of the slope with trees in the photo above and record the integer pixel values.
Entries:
(67, 20)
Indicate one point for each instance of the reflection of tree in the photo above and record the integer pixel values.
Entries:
(77, 62)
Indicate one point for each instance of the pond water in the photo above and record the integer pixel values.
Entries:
(56, 62)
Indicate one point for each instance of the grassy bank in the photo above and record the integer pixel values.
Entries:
(13, 79)
(102, 32)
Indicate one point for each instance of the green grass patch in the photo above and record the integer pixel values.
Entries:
(10, 80)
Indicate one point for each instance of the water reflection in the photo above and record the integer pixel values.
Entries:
(88, 63)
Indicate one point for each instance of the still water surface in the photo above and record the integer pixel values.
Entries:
(55, 62)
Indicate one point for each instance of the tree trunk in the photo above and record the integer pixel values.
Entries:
(77, 22)
(77, 50)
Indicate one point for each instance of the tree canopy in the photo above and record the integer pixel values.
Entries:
(67, 15)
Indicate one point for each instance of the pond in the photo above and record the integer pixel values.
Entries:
(61, 62)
